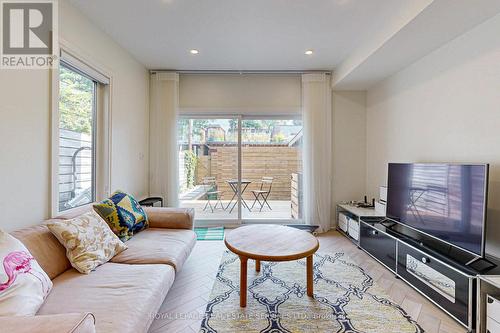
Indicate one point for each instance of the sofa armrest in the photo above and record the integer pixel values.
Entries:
(171, 218)
(58, 323)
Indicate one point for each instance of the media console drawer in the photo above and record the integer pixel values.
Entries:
(343, 222)
(446, 286)
(493, 314)
(492, 326)
(378, 245)
(354, 229)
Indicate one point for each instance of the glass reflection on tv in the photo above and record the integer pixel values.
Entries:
(446, 201)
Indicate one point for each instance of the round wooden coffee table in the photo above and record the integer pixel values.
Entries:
(268, 242)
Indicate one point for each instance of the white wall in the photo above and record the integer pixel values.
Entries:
(25, 124)
(445, 107)
(349, 145)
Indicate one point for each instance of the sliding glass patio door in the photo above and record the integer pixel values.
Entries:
(208, 167)
(241, 169)
(271, 169)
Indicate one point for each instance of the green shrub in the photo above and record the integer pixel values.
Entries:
(190, 161)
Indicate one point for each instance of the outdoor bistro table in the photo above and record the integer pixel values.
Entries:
(233, 183)
(268, 242)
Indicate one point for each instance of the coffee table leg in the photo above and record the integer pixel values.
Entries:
(257, 265)
(310, 278)
(243, 282)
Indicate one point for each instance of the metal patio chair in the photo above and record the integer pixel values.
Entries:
(263, 193)
(210, 185)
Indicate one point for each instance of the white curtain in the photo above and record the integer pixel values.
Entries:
(163, 164)
(317, 154)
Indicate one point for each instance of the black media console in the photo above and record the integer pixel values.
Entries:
(435, 269)
(447, 283)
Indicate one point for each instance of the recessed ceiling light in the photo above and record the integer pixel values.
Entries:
(309, 52)
(194, 51)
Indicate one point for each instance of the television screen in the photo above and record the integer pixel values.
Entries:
(446, 201)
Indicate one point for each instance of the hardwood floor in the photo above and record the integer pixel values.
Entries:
(185, 304)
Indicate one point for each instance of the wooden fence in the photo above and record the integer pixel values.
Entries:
(279, 162)
(69, 143)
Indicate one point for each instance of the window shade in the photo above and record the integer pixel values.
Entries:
(83, 67)
(271, 94)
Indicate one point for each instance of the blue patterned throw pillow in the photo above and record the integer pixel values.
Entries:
(123, 214)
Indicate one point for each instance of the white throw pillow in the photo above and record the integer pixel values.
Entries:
(88, 240)
(23, 283)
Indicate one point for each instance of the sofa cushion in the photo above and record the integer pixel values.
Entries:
(64, 323)
(123, 214)
(88, 240)
(23, 283)
(171, 218)
(123, 298)
(158, 246)
(45, 248)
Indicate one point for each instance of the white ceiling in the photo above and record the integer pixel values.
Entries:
(430, 27)
(363, 41)
(241, 34)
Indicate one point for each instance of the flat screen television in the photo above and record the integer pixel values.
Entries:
(445, 201)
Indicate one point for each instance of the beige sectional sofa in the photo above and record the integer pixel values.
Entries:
(120, 296)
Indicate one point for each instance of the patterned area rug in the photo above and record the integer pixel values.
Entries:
(216, 233)
(346, 299)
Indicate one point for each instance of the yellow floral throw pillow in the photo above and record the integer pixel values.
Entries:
(88, 240)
